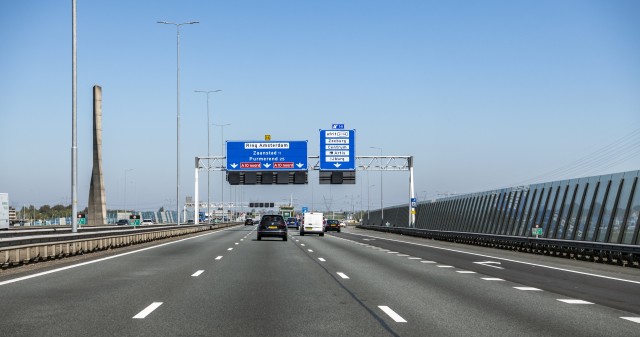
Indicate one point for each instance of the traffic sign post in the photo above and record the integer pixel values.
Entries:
(267, 156)
(337, 149)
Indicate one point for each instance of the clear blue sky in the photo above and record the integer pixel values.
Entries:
(484, 94)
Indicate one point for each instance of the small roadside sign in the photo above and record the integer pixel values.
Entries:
(536, 231)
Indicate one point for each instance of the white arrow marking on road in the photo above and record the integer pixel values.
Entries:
(300, 165)
(337, 165)
(267, 165)
(234, 165)
(489, 264)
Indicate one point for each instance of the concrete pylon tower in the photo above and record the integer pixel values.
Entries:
(97, 201)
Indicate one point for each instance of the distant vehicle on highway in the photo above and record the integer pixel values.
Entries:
(293, 222)
(147, 222)
(332, 225)
(248, 222)
(123, 222)
(312, 223)
(272, 225)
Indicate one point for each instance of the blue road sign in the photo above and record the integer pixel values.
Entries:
(414, 202)
(305, 209)
(267, 156)
(337, 150)
(337, 126)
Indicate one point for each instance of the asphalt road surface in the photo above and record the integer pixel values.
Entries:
(354, 283)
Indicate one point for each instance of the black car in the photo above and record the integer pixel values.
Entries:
(248, 222)
(124, 222)
(332, 225)
(272, 225)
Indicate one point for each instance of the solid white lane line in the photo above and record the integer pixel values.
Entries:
(196, 274)
(527, 288)
(428, 261)
(444, 266)
(492, 279)
(321, 259)
(310, 251)
(230, 249)
(573, 301)
(632, 319)
(342, 275)
(503, 259)
(465, 272)
(414, 258)
(144, 313)
(392, 314)
(219, 258)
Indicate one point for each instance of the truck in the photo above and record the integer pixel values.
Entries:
(4, 210)
(312, 223)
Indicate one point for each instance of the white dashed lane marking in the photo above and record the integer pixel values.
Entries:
(414, 258)
(527, 288)
(219, 258)
(321, 259)
(230, 249)
(428, 261)
(444, 266)
(465, 272)
(632, 319)
(196, 274)
(569, 301)
(397, 318)
(342, 275)
(403, 255)
(144, 313)
(492, 279)
(310, 251)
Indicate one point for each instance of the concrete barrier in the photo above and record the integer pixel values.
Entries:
(42, 251)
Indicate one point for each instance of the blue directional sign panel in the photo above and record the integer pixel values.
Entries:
(337, 126)
(267, 156)
(337, 150)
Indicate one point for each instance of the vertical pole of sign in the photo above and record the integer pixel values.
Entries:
(195, 192)
(412, 196)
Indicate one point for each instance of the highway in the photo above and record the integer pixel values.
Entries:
(354, 283)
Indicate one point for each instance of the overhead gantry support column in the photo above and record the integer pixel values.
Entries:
(412, 195)
(197, 199)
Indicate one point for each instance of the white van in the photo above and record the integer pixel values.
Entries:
(312, 222)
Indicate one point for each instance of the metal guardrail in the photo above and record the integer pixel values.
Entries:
(48, 247)
(624, 255)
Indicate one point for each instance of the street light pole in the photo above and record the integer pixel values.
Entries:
(74, 122)
(381, 195)
(208, 152)
(178, 111)
(222, 176)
